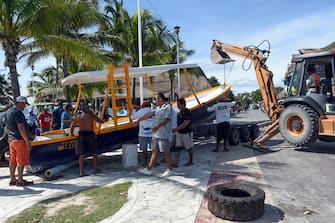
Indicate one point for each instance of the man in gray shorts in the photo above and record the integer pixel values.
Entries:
(161, 133)
(145, 129)
(184, 136)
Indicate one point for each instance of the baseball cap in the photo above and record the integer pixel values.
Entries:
(46, 108)
(146, 104)
(22, 99)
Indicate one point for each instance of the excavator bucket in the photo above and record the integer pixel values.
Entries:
(219, 57)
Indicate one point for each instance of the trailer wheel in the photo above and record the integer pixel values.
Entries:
(254, 131)
(299, 124)
(245, 134)
(234, 136)
(236, 201)
(5, 154)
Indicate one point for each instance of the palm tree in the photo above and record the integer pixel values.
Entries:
(15, 16)
(66, 42)
(44, 87)
(124, 37)
(45, 22)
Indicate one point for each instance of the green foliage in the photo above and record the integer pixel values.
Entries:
(101, 203)
(244, 98)
(214, 81)
(231, 96)
(5, 88)
(256, 96)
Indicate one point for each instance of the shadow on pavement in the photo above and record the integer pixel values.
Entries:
(318, 147)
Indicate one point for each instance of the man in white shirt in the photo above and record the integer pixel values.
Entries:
(222, 111)
(145, 129)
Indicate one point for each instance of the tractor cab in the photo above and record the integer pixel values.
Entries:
(313, 77)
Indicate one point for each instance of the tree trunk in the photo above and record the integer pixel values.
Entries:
(11, 52)
(14, 80)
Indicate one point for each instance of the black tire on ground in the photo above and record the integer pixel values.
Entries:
(299, 124)
(244, 134)
(236, 201)
(234, 136)
(254, 131)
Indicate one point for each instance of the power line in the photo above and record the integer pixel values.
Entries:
(158, 15)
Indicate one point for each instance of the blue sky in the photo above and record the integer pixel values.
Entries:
(288, 25)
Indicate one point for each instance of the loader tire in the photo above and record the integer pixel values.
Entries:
(234, 136)
(299, 124)
(236, 201)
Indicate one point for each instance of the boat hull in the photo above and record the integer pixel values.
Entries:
(51, 154)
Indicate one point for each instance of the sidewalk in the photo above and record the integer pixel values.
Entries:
(178, 198)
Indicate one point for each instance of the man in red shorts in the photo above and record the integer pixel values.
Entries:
(19, 143)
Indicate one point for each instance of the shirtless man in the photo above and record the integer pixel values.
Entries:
(86, 139)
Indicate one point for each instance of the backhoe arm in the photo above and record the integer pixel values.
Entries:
(263, 75)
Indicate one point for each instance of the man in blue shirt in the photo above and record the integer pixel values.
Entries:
(66, 117)
(19, 142)
(57, 115)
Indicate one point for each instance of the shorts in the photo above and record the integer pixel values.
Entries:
(162, 144)
(184, 140)
(87, 143)
(172, 141)
(144, 142)
(19, 154)
(222, 131)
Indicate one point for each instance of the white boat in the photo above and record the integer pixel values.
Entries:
(57, 146)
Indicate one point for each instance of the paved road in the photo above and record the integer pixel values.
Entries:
(299, 185)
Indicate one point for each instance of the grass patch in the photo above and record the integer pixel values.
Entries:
(91, 205)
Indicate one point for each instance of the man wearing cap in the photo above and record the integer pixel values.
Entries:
(45, 119)
(222, 112)
(145, 129)
(19, 143)
(86, 141)
(57, 116)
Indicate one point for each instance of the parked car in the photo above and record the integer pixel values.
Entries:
(254, 106)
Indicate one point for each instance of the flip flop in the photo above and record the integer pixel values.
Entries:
(24, 183)
(12, 183)
(83, 175)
